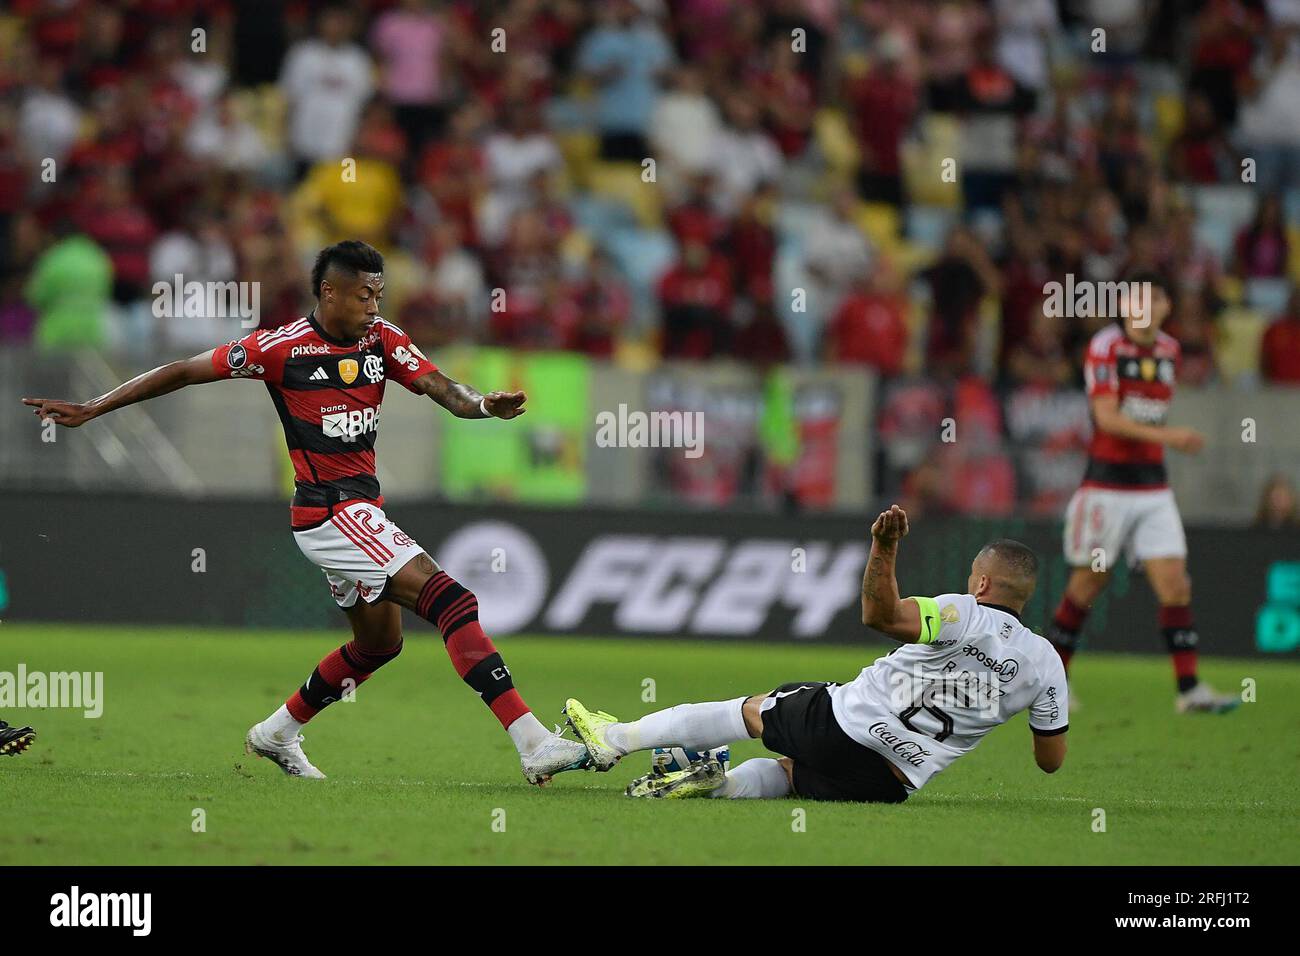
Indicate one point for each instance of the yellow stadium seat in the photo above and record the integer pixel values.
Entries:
(1169, 119)
(580, 149)
(1237, 350)
(835, 139)
(1293, 255)
(622, 182)
(879, 221)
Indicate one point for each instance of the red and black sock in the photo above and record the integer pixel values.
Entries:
(1181, 639)
(339, 673)
(453, 609)
(1067, 623)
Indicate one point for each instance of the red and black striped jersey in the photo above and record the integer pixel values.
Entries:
(1142, 378)
(328, 394)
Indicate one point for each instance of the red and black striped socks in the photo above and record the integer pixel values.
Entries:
(339, 673)
(1066, 625)
(453, 609)
(1181, 639)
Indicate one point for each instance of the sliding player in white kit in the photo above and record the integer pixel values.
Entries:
(967, 664)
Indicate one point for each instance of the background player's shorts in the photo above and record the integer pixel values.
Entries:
(358, 549)
(1141, 524)
(799, 723)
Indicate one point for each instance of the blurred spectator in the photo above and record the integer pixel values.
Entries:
(683, 128)
(48, 120)
(326, 81)
(410, 41)
(1261, 250)
(695, 295)
(1200, 153)
(357, 203)
(1024, 31)
(836, 254)
(1278, 509)
(120, 225)
(959, 281)
(219, 136)
(884, 103)
(69, 288)
(744, 155)
(1041, 358)
(514, 156)
(626, 56)
(1280, 346)
(603, 306)
(870, 325)
(1191, 323)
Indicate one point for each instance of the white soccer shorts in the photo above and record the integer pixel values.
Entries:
(1140, 524)
(358, 549)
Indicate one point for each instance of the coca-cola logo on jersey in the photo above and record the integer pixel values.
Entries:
(907, 750)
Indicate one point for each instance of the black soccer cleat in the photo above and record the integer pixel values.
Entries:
(14, 740)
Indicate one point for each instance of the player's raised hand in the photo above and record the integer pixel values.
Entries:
(890, 526)
(505, 404)
(68, 414)
(1187, 440)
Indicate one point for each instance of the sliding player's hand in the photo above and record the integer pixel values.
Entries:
(68, 414)
(505, 404)
(890, 526)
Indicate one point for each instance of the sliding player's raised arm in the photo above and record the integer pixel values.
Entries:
(882, 608)
(159, 381)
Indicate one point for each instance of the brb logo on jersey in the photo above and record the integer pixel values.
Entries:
(349, 424)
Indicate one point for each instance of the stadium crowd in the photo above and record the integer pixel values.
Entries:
(797, 208)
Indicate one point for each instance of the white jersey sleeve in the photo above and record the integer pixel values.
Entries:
(1049, 713)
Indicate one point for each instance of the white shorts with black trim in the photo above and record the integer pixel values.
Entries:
(1141, 524)
(358, 548)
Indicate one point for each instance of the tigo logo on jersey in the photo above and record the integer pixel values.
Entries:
(348, 369)
(349, 425)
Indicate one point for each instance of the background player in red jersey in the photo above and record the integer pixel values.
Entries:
(326, 374)
(1125, 503)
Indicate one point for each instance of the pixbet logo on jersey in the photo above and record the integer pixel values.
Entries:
(349, 424)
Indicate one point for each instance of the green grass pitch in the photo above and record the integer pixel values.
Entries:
(420, 771)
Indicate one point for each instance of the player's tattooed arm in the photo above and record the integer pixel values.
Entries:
(882, 609)
(463, 401)
(159, 381)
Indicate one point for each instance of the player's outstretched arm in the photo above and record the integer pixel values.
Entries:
(1106, 413)
(1049, 752)
(465, 402)
(159, 381)
(882, 608)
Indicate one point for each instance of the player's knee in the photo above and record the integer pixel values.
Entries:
(788, 766)
(751, 710)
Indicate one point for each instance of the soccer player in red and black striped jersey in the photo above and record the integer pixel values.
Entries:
(326, 374)
(1125, 503)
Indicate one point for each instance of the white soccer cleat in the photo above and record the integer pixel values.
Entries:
(556, 754)
(1202, 699)
(285, 752)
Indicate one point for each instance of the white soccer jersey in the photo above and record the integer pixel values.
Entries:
(924, 705)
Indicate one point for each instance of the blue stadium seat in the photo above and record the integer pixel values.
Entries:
(1268, 296)
(1221, 212)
